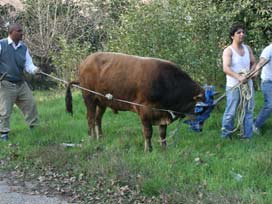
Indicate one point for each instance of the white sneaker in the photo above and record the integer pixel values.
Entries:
(256, 130)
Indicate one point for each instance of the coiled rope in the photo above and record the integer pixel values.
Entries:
(246, 93)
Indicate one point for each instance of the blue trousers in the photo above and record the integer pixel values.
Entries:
(267, 107)
(233, 99)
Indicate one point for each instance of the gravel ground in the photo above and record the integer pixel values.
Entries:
(12, 194)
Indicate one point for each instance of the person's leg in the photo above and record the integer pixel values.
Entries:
(267, 107)
(233, 99)
(25, 101)
(7, 99)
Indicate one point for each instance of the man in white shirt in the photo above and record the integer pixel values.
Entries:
(14, 60)
(266, 85)
(237, 58)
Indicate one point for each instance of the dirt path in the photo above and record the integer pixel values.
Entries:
(11, 193)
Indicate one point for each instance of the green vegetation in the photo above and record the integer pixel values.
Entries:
(196, 167)
(190, 33)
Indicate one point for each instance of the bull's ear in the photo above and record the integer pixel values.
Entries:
(199, 97)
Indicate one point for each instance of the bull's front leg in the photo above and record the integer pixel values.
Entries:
(162, 132)
(147, 132)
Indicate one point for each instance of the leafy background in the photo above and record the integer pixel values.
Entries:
(191, 34)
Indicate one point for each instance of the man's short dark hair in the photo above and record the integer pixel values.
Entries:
(234, 27)
(13, 27)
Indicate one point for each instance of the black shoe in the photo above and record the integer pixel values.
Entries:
(4, 137)
(244, 138)
(31, 127)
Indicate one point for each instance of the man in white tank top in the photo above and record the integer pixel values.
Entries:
(266, 86)
(237, 58)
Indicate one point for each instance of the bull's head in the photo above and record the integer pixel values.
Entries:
(202, 109)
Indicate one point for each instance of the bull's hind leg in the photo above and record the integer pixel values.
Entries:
(162, 131)
(100, 110)
(91, 107)
(147, 132)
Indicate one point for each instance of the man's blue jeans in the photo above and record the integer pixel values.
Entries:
(267, 107)
(233, 99)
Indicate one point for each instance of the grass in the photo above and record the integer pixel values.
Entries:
(196, 167)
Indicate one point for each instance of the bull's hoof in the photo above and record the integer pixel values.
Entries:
(99, 137)
(164, 147)
(150, 149)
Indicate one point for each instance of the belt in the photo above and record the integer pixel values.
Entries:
(16, 82)
(7, 78)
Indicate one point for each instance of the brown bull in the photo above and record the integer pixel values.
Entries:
(146, 85)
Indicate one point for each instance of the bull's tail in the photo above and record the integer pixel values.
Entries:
(68, 97)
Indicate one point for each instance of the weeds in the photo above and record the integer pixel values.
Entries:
(199, 168)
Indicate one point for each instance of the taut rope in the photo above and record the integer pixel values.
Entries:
(110, 97)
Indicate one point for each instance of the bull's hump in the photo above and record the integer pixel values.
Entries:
(122, 55)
